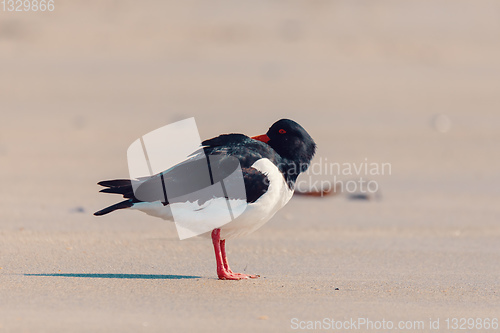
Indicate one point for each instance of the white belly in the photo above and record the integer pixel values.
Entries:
(255, 215)
(259, 212)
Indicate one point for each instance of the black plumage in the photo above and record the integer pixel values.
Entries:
(289, 147)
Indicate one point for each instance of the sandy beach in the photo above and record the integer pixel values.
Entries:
(414, 84)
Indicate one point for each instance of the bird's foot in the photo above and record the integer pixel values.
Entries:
(235, 276)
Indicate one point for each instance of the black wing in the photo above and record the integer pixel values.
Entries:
(223, 154)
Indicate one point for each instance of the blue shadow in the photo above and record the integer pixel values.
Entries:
(119, 276)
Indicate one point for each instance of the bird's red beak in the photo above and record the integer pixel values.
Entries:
(264, 138)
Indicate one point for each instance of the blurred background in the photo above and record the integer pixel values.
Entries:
(411, 83)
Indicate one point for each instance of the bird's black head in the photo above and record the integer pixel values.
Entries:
(292, 142)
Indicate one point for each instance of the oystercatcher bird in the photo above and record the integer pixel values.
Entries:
(270, 164)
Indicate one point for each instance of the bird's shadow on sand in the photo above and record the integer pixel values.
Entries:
(119, 276)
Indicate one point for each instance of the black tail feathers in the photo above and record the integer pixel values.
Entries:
(118, 186)
(121, 205)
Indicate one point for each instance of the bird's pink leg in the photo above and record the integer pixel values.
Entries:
(223, 253)
(223, 270)
(222, 273)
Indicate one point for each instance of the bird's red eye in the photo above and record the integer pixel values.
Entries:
(282, 131)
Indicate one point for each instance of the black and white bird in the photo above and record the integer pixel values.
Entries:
(270, 164)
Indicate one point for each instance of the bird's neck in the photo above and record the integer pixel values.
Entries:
(291, 170)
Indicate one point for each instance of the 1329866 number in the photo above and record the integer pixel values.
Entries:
(472, 323)
(28, 5)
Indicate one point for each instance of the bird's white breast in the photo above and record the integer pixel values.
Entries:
(259, 212)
